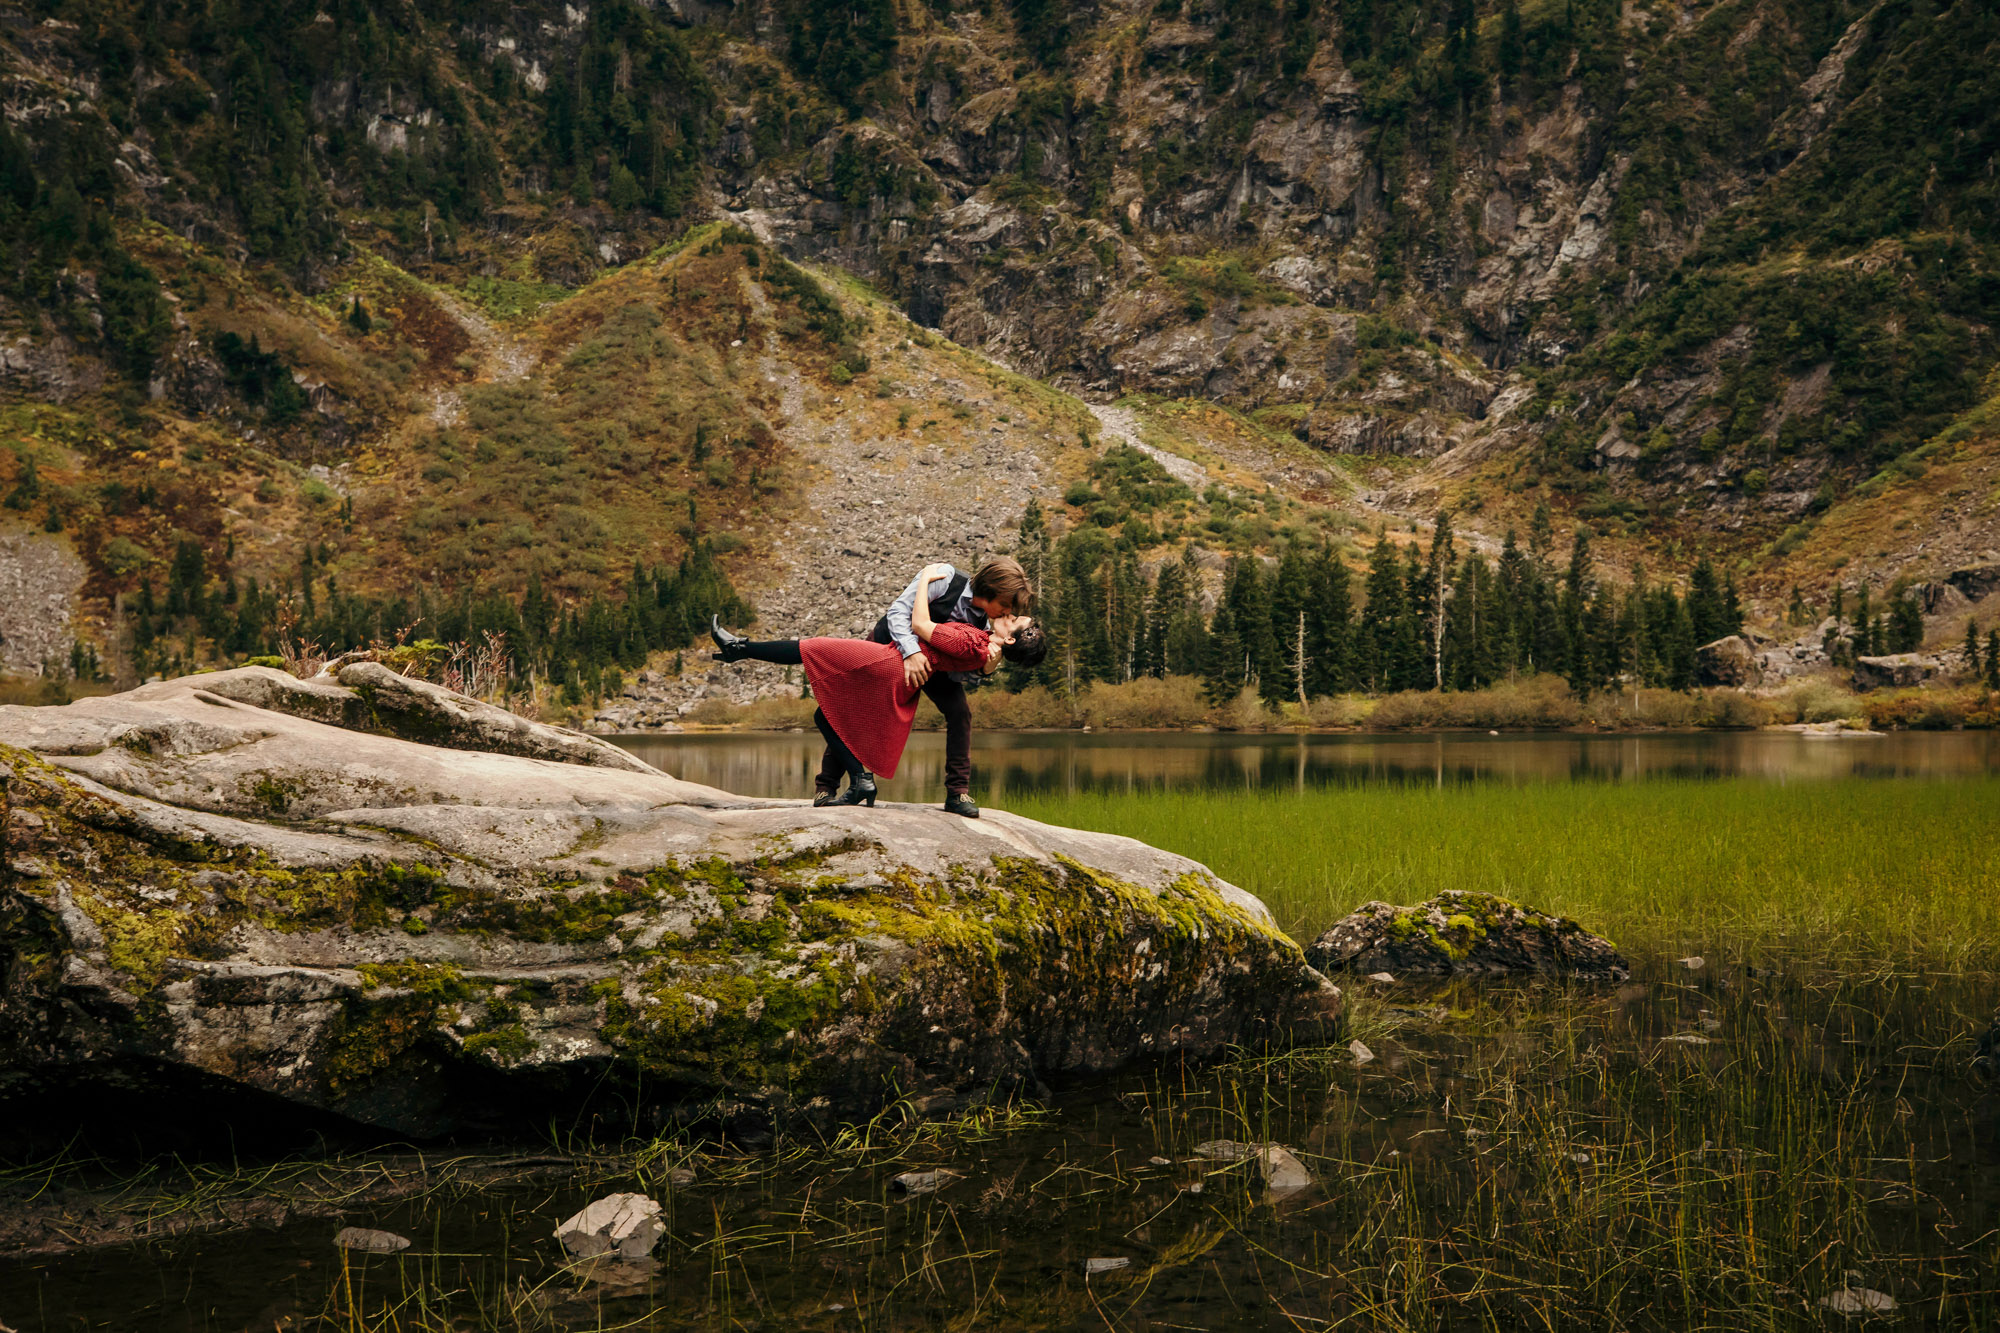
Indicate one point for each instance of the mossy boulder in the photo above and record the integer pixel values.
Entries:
(1461, 932)
(252, 881)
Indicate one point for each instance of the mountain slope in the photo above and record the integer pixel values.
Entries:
(390, 294)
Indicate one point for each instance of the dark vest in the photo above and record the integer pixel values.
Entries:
(941, 608)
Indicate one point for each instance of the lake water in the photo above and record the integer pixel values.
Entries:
(783, 763)
(1718, 1145)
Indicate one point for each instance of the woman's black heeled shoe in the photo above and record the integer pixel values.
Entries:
(859, 792)
(733, 646)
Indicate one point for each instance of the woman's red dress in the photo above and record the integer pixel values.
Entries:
(859, 686)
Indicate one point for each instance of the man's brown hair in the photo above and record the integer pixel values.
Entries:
(1003, 580)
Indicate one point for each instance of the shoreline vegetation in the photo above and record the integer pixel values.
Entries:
(1535, 703)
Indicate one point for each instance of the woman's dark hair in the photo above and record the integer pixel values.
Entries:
(1030, 646)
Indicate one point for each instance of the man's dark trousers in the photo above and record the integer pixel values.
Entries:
(949, 696)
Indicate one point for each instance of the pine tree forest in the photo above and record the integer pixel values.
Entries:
(1415, 615)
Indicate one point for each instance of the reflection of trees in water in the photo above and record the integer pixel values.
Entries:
(782, 764)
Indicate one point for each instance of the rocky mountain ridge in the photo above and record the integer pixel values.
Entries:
(1469, 255)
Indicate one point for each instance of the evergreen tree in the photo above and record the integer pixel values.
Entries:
(843, 44)
(1678, 659)
(1972, 647)
(1223, 659)
(1249, 603)
(1905, 633)
(1187, 629)
(1409, 667)
(1993, 659)
(1383, 608)
(1579, 586)
(1513, 43)
(1708, 609)
(1330, 626)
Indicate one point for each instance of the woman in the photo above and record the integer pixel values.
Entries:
(866, 707)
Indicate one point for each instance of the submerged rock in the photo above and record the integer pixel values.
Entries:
(1460, 932)
(627, 1225)
(1280, 1171)
(370, 1242)
(1986, 1063)
(1859, 1302)
(264, 886)
(1283, 1173)
(922, 1182)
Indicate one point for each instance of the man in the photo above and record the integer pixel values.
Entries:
(997, 588)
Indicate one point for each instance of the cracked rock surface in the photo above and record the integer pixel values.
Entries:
(267, 886)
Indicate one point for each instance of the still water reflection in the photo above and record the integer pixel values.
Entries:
(783, 763)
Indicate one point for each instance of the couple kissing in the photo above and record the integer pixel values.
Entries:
(946, 631)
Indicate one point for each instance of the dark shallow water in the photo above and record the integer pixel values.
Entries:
(783, 763)
(1513, 1157)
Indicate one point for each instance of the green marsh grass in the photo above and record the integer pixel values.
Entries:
(1847, 872)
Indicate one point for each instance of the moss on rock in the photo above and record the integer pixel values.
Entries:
(769, 955)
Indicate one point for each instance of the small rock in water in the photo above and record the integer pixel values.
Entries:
(370, 1242)
(1283, 1173)
(627, 1223)
(1859, 1302)
(1631, 994)
(1225, 1150)
(1359, 1050)
(1693, 962)
(1687, 1039)
(922, 1182)
(680, 1177)
(1105, 1265)
(1384, 977)
(1160, 1161)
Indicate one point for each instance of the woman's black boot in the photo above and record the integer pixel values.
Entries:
(860, 791)
(733, 646)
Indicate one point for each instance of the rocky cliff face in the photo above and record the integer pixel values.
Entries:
(1684, 270)
(247, 882)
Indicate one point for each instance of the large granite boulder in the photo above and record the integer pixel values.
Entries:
(265, 885)
(1975, 581)
(1727, 661)
(1460, 932)
(1896, 671)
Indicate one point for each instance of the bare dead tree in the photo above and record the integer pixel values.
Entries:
(1299, 657)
